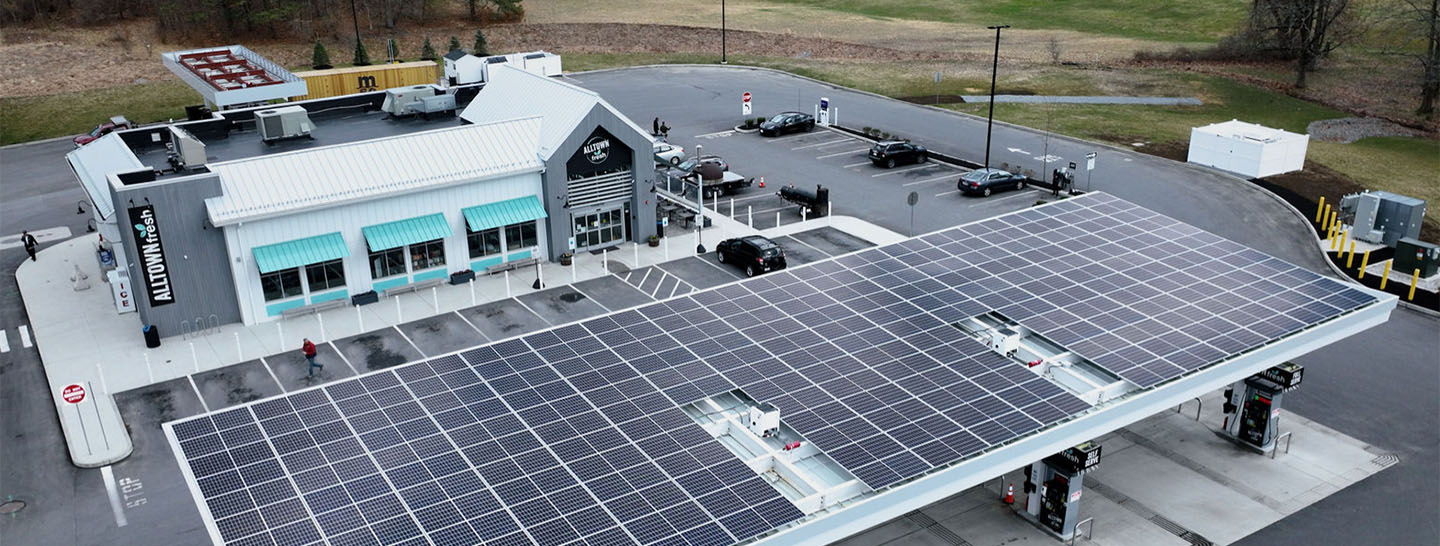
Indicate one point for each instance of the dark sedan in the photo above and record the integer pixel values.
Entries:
(987, 181)
(787, 122)
(889, 153)
(754, 254)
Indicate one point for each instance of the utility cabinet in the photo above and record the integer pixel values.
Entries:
(1412, 254)
(1382, 217)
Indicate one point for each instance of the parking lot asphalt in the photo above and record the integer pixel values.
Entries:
(235, 385)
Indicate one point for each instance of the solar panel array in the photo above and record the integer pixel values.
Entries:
(575, 435)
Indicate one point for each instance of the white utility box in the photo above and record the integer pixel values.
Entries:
(1004, 341)
(1247, 149)
(764, 420)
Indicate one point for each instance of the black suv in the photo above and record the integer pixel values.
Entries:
(787, 122)
(755, 254)
(889, 153)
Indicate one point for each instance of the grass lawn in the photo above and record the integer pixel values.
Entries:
(1402, 165)
(1171, 21)
(33, 118)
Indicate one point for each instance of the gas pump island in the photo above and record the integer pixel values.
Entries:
(1053, 487)
(1258, 400)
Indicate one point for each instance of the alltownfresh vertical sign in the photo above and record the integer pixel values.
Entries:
(150, 256)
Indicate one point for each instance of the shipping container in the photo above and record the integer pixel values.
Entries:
(363, 79)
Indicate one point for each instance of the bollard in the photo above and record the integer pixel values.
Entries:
(637, 254)
(359, 318)
(1334, 220)
(1319, 209)
(750, 216)
(1328, 219)
(1350, 258)
(239, 350)
(435, 298)
(280, 331)
(1344, 237)
(1364, 261)
(732, 207)
(398, 316)
(540, 276)
(1414, 280)
(148, 370)
(777, 218)
(802, 214)
(667, 249)
(507, 283)
(1385, 277)
(1329, 234)
(321, 319)
(605, 259)
(194, 358)
(573, 274)
(472, 291)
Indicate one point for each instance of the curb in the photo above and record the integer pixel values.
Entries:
(34, 142)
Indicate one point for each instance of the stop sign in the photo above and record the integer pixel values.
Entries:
(73, 394)
(745, 97)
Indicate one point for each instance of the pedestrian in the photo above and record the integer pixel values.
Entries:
(655, 127)
(30, 243)
(309, 349)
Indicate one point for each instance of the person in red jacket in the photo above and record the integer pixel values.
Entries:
(309, 349)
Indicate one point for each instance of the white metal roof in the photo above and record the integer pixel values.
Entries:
(1246, 130)
(512, 92)
(93, 162)
(276, 184)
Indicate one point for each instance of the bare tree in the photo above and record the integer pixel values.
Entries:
(1304, 31)
(1416, 13)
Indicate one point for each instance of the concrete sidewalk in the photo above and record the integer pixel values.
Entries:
(83, 340)
(1167, 480)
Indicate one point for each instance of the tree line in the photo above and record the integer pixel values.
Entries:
(239, 19)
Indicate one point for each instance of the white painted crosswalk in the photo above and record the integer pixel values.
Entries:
(41, 236)
(22, 333)
(25, 336)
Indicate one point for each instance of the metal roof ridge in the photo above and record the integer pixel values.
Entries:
(342, 145)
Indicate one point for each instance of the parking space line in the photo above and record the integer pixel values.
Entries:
(817, 249)
(4, 341)
(951, 192)
(946, 177)
(402, 334)
(532, 311)
(716, 134)
(472, 326)
(587, 296)
(1006, 198)
(25, 336)
(347, 360)
(642, 279)
(752, 197)
(827, 156)
(114, 493)
(203, 404)
(272, 374)
(674, 288)
(791, 137)
(857, 164)
(821, 144)
(888, 173)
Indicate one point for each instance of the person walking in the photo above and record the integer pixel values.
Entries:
(309, 349)
(30, 243)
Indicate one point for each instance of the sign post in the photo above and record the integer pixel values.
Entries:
(73, 394)
(745, 104)
(911, 200)
(1089, 167)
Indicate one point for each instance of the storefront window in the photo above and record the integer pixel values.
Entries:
(387, 263)
(281, 284)
(520, 235)
(484, 243)
(325, 275)
(427, 255)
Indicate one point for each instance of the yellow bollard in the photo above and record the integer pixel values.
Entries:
(1385, 277)
(1325, 219)
(1350, 258)
(1330, 236)
(1335, 219)
(1320, 209)
(1414, 280)
(1364, 261)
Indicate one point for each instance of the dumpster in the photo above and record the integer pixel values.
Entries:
(152, 336)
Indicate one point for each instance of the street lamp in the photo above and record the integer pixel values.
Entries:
(700, 204)
(722, 33)
(994, 67)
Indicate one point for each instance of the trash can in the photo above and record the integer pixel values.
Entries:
(152, 336)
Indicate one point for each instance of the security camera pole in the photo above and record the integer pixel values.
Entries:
(994, 67)
(700, 205)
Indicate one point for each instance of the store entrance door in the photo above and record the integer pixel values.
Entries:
(599, 229)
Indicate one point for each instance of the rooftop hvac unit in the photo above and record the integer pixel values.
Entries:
(417, 99)
(282, 123)
(186, 151)
(1383, 217)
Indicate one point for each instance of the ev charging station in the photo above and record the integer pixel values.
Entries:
(822, 112)
(1257, 399)
(1053, 487)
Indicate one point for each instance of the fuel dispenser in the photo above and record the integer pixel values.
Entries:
(1053, 487)
(1252, 406)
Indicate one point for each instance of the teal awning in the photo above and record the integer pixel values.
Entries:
(504, 213)
(404, 232)
(293, 254)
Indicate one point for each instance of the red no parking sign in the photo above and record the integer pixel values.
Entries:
(73, 394)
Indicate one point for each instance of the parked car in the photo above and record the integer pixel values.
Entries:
(754, 254)
(116, 123)
(666, 152)
(689, 164)
(889, 153)
(987, 181)
(787, 122)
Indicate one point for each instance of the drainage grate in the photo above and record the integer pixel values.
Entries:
(1141, 510)
(1385, 461)
(942, 532)
(921, 519)
(1179, 531)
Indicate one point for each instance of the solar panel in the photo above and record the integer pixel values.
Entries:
(576, 432)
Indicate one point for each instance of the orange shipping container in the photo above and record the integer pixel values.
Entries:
(362, 79)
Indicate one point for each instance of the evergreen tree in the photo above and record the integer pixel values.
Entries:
(480, 49)
(454, 44)
(427, 51)
(320, 59)
(361, 57)
(392, 51)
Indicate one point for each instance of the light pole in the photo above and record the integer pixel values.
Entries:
(994, 67)
(722, 33)
(355, 16)
(700, 204)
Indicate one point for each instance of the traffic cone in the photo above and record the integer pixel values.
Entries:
(1010, 494)
(762, 181)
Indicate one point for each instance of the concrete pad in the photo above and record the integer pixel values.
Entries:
(702, 272)
(992, 522)
(891, 530)
(613, 293)
(561, 305)
(375, 350)
(441, 334)
(290, 368)
(797, 253)
(1182, 495)
(1114, 524)
(831, 240)
(504, 319)
(236, 384)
